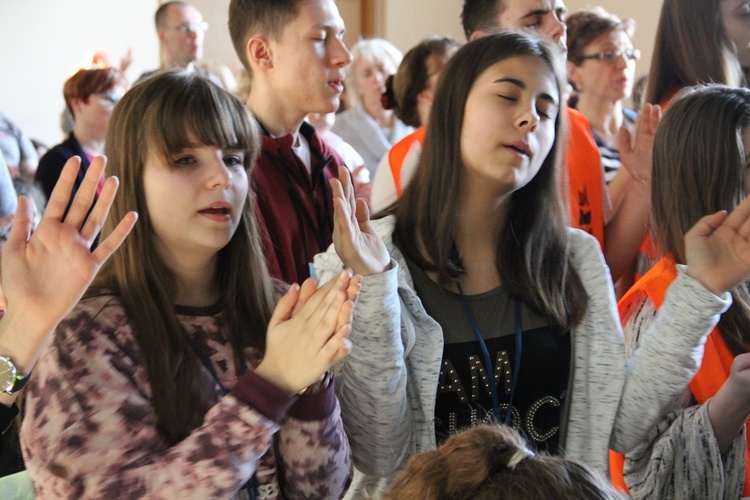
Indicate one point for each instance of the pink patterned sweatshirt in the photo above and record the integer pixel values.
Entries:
(90, 427)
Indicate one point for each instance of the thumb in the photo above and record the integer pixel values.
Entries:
(741, 362)
(706, 225)
(284, 307)
(624, 139)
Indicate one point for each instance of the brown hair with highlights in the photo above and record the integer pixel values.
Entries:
(491, 462)
(690, 48)
(533, 259)
(699, 165)
(86, 82)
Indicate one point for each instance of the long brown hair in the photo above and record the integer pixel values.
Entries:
(158, 115)
(698, 169)
(490, 462)
(414, 72)
(533, 256)
(690, 48)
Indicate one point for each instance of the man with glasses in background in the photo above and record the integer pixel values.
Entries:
(180, 28)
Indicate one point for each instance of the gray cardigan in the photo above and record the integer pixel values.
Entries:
(387, 385)
(680, 458)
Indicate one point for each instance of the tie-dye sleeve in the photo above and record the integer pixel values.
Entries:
(91, 432)
(314, 454)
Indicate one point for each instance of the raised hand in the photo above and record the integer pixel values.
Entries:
(44, 274)
(636, 154)
(354, 238)
(717, 249)
(302, 344)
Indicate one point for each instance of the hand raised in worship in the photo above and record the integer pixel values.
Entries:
(635, 154)
(717, 249)
(44, 274)
(354, 238)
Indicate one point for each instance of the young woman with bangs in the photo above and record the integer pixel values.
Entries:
(478, 303)
(185, 372)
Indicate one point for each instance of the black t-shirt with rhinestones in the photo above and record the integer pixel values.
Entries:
(463, 393)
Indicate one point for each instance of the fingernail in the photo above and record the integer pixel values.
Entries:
(346, 329)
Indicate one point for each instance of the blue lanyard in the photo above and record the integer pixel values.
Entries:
(488, 359)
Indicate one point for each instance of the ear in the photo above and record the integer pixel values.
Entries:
(160, 35)
(426, 96)
(259, 54)
(574, 75)
(76, 103)
(476, 34)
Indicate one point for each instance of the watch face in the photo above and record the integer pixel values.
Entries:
(7, 375)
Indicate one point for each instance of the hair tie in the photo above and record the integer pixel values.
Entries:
(519, 456)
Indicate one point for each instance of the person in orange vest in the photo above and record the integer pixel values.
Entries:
(699, 450)
(409, 93)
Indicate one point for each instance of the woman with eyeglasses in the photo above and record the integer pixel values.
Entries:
(90, 96)
(601, 68)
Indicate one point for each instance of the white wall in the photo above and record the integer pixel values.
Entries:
(217, 46)
(407, 22)
(45, 40)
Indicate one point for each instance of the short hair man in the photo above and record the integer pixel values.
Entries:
(295, 54)
(180, 28)
(620, 222)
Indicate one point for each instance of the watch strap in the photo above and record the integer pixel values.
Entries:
(19, 380)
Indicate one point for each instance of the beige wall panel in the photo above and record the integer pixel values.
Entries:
(45, 40)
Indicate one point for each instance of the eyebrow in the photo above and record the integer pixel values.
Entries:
(542, 12)
(522, 85)
(538, 12)
(330, 27)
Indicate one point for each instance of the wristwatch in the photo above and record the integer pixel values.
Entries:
(10, 380)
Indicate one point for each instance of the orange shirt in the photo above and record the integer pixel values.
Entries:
(585, 181)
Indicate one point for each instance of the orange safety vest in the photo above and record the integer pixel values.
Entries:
(715, 366)
(398, 152)
(585, 181)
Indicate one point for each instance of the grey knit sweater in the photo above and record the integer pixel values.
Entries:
(387, 385)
